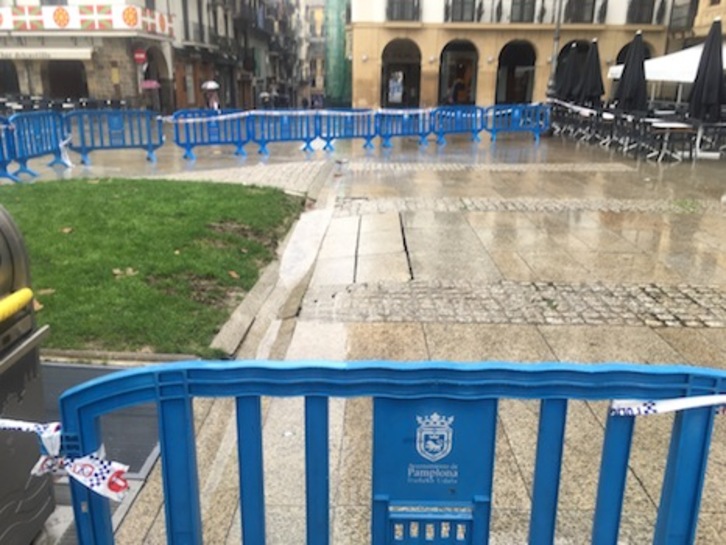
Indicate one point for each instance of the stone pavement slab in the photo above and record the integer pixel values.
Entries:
(507, 252)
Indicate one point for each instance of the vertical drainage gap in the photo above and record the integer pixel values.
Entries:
(405, 247)
(357, 246)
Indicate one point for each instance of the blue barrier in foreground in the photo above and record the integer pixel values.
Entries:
(434, 441)
(194, 128)
(7, 149)
(347, 124)
(391, 123)
(532, 118)
(37, 134)
(268, 126)
(457, 119)
(92, 130)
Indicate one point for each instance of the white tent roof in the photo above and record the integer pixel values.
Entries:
(678, 67)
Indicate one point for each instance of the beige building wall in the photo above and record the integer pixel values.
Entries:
(370, 39)
(705, 15)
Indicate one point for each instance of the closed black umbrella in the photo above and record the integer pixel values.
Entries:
(591, 88)
(708, 92)
(568, 79)
(632, 91)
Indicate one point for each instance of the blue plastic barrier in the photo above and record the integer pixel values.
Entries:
(347, 124)
(457, 119)
(391, 123)
(7, 149)
(114, 129)
(534, 118)
(37, 134)
(194, 128)
(268, 126)
(434, 438)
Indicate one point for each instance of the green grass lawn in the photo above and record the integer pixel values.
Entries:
(144, 264)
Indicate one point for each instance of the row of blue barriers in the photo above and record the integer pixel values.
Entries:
(193, 128)
(433, 441)
(26, 136)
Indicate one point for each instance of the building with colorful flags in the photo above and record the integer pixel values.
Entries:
(152, 54)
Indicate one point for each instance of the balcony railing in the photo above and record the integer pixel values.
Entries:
(87, 18)
(403, 10)
(463, 11)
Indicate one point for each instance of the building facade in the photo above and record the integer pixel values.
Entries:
(422, 53)
(149, 53)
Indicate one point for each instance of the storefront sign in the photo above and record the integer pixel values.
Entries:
(37, 53)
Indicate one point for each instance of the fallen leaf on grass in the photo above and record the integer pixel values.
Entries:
(176, 252)
(37, 305)
(66, 230)
(93, 182)
(46, 291)
(233, 274)
(128, 271)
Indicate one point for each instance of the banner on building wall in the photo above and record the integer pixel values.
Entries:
(85, 18)
(337, 69)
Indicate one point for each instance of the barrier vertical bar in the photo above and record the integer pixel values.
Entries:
(548, 464)
(251, 483)
(317, 471)
(683, 482)
(179, 455)
(611, 482)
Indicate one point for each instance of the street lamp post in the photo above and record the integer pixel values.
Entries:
(555, 49)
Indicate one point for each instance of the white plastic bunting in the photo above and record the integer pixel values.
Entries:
(633, 407)
(93, 470)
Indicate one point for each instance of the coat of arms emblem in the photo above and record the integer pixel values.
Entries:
(434, 436)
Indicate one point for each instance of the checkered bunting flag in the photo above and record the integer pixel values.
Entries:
(93, 470)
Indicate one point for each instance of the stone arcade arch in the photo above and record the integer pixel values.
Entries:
(64, 79)
(515, 75)
(401, 74)
(457, 73)
(9, 84)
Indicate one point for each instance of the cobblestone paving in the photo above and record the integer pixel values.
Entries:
(293, 177)
(356, 206)
(530, 303)
(363, 166)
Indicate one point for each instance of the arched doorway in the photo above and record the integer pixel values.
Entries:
(156, 85)
(515, 75)
(401, 75)
(457, 74)
(65, 79)
(8, 79)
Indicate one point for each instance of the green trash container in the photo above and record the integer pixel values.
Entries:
(25, 501)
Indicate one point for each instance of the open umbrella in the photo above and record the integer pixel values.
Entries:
(632, 91)
(567, 81)
(591, 89)
(210, 85)
(708, 92)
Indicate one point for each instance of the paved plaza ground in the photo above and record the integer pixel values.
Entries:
(521, 252)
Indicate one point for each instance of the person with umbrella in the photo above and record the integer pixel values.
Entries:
(211, 94)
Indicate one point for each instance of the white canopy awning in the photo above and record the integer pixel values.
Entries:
(46, 53)
(678, 67)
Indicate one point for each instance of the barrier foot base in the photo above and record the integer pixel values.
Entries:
(441, 141)
(307, 148)
(263, 150)
(25, 170)
(5, 174)
(368, 145)
(475, 138)
(328, 147)
(84, 159)
(189, 155)
(240, 151)
(151, 156)
(60, 161)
